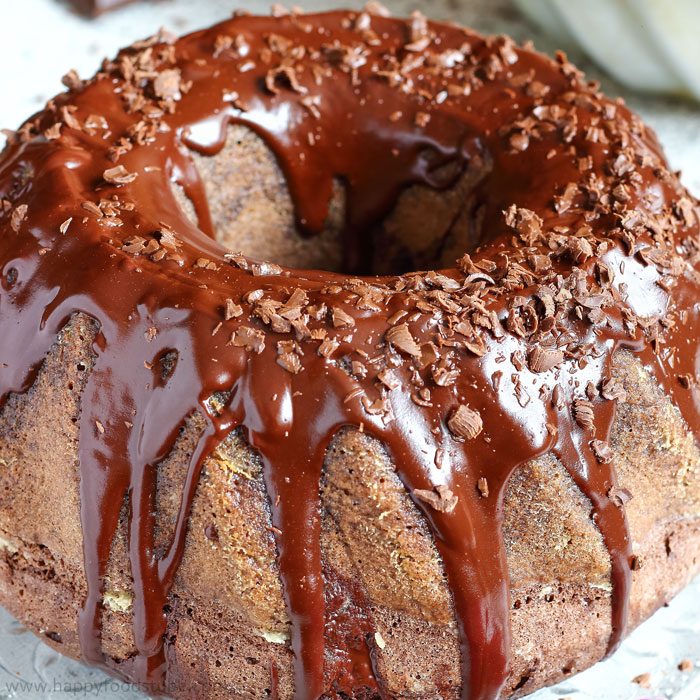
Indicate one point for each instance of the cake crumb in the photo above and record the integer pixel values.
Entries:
(643, 680)
(379, 640)
(443, 501)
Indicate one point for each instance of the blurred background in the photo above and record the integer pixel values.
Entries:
(646, 51)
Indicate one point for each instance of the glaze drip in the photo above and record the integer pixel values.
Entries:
(588, 245)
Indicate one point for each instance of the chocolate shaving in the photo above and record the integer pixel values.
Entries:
(19, 214)
(543, 359)
(231, 310)
(613, 390)
(327, 347)
(401, 338)
(389, 379)
(265, 269)
(288, 357)
(525, 222)
(583, 413)
(118, 175)
(167, 84)
(251, 339)
(601, 450)
(342, 319)
(64, 226)
(443, 501)
(465, 423)
(72, 80)
(620, 497)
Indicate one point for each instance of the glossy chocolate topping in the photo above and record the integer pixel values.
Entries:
(587, 244)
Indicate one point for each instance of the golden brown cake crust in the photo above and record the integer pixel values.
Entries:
(289, 483)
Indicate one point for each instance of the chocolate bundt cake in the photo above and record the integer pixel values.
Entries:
(344, 356)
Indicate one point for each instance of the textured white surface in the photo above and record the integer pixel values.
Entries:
(41, 39)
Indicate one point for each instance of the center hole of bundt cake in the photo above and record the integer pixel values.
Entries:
(252, 213)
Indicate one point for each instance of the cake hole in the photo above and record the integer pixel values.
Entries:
(251, 212)
(522, 682)
(250, 208)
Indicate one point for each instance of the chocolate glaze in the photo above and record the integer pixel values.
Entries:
(389, 103)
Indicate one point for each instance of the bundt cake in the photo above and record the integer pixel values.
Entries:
(344, 356)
